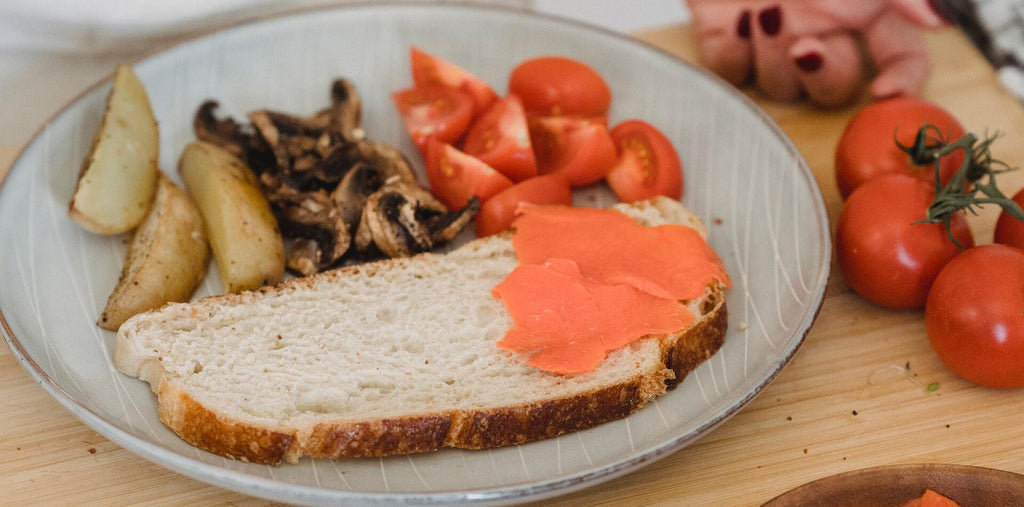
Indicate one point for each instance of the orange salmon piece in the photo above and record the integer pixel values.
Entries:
(569, 322)
(669, 261)
(931, 499)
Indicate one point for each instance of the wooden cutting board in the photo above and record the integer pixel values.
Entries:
(853, 397)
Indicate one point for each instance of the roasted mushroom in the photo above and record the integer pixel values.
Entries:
(391, 218)
(303, 256)
(387, 159)
(400, 225)
(236, 138)
(313, 217)
(331, 188)
(350, 195)
(226, 133)
(345, 114)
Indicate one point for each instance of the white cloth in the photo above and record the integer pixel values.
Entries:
(105, 26)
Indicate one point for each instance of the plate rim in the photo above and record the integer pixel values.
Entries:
(245, 483)
(924, 470)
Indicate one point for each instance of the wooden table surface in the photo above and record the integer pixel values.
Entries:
(847, 401)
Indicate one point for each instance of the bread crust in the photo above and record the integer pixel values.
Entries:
(472, 429)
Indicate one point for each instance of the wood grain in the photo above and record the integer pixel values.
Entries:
(853, 397)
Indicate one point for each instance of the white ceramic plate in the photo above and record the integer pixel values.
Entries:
(765, 215)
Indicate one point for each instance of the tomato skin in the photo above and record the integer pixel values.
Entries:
(454, 177)
(555, 86)
(647, 164)
(1009, 230)
(434, 112)
(501, 139)
(974, 316)
(867, 148)
(580, 149)
(884, 258)
(431, 70)
(497, 213)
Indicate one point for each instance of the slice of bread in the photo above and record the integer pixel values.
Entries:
(392, 357)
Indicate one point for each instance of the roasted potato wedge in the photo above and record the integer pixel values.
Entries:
(243, 232)
(118, 177)
(167, 257)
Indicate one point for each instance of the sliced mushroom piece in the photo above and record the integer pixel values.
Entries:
(387, 159)
(362, 240)
(345, 114)
(398, 225)
(312, 215)
(352, 192)
(303, 256)
(424, 199)
(291, 125)
(391, 219)
(226, 133)
(445, 226)
(272, 137)
(302, 149)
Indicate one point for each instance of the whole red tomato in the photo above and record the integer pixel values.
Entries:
(884, 256)
(1009, 230)
(867, 148)
(975, 316)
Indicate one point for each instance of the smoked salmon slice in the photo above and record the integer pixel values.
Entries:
(670, 261)
(570, 323)
(590, 281)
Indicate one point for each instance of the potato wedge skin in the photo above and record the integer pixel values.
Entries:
(243, 231)
(166, 260)
(118, 177)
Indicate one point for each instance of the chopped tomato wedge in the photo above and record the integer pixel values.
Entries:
(434, 112)
(648, 164)
(579, 148)
(497, 213)
(555, 85)
(428, 70)
(455, 177)
(501, 139)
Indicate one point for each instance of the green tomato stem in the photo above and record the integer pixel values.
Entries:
(977, 174)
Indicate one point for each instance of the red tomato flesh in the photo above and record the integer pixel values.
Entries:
(454, 177)
(434, 112)
(580, 149)
(431, 70)
(885, 258)
(501, 139)
(1009, 230)
(555, 85)
(974, 316)
(648, 164)
(867, 148)
(497, 213)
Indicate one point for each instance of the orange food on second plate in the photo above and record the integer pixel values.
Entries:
(931, 499)
(591, 281)
(573, 322)
(670, 261)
